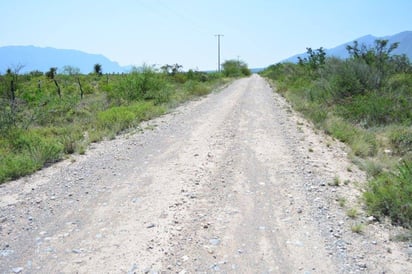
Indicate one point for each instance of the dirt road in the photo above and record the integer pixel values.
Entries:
(233, 183)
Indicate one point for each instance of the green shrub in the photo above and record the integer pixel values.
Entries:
(390, 194)
(145, 111)
(235, 68)
(376, 109)
(196, 88)
(244, 70)
(352, 213)
(365, 145)
(321, 91)
(311, 109)
(350, 78)
(357, 228)
(13, 166)
(401, 140)
(180, 77)
(140, 84)
(341, 130)
(29, 150)
(372, 167)
(317, 114)
(47, 151)
(22, 140)
(71, 139)
(405, 236)
(117, 119)
(159, 96)
(401, 82)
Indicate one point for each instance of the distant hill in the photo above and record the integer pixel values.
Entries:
(256, 70)
(42, 59)
(404, 39)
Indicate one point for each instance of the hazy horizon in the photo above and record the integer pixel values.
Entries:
(181, 31)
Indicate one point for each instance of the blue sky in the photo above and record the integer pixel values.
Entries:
(161, 32)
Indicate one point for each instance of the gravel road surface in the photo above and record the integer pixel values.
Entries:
(235, 182)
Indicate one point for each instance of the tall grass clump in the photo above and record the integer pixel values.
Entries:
(117, 119)
(389, 194)
(401, 140)
(30, 151)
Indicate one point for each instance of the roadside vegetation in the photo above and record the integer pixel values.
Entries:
(46, 116)
(235, 68)
(364, 101)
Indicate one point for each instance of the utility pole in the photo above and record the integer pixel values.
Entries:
(218, 51)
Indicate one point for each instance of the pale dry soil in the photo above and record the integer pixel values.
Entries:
(235, 182)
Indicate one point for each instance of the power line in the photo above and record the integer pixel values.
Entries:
(218, 50)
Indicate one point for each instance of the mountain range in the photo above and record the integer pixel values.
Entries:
(42, 59)
(404, 39)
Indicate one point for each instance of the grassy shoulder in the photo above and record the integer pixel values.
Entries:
(364, 101)
(42, 122)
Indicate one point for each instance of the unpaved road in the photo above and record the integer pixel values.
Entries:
(233, 183)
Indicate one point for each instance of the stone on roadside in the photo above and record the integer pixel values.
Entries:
(371, 219)
(214, 241)
(17, 269)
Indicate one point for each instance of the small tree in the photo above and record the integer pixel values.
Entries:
(166, 69)
(51, 74)
(98, 69)
(176, 68)
(372, 55)
(315, 58)
(69, 70)
(80, 87)
(171, 69)
(13, 82)
(12, 74)
(8, 115)
(378, 58)
(36, 73)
